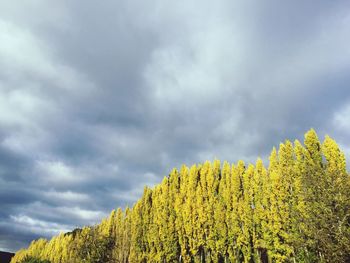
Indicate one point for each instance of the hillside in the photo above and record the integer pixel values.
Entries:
(296, 209)
(5, 257)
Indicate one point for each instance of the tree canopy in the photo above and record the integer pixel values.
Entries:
(295, 209)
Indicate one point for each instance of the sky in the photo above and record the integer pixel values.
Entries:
(100, 98)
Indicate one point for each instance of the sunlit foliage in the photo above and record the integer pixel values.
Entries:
(297, 209)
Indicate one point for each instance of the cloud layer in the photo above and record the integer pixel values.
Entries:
(99, 99)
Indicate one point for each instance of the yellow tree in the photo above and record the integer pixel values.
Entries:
(136, 247)
(202, 212)
(334, 236)
(260, 208)
(126, 235)
(173, 245)
(234, 221)
(214, 203)
(222, 209)
(192, 212)
(314, 185)
(246, 214)
(272, 228)
(299, 218)
(168, 234)
(286, 199)
(117, 230)
(181, 207)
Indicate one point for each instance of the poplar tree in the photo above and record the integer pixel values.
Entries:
(335, 232)
(314, 184)
(235, 224)
(260, 206)
(173, 189)
(296, 210)
(299, 219)
(222, 210)
(246, 213)
(182, 215)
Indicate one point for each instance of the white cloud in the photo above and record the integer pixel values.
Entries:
(39, 227)
(195, 62)
(67, 196)
(20, 50)
(57, 173)
(341, 119)
(25, 58)
(79, 214)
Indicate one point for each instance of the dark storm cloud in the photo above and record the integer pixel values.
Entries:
(98, 100)
(12, 165)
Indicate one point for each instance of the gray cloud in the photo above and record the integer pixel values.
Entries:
(98, 100)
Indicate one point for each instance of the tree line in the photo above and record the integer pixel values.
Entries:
(296, 209)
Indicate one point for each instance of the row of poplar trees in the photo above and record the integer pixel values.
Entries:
(295, 210)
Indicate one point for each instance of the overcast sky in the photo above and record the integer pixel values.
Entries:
(100, 98)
